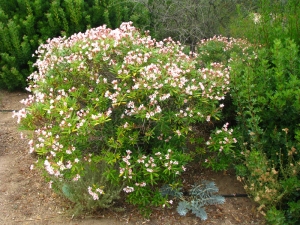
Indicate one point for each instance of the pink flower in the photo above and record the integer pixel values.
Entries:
(149, 170)
(178, 132)
(93, 194)
(128, 189)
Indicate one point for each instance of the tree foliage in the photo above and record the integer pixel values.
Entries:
(189, 21)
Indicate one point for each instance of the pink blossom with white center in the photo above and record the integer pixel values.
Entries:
(128, 152)
(100, 191)
(76, 178)
(69, 165)
(125, 159)
(128, 189)
(208, 118)
(158, 109)
(148, 115)
(20, 114)
(50, 184)
(178, 132)
(48, 167)
(149, 170)
(141, 159)
(30, 142)
(221, 149)
(122, 170)
(151, 159)
(126, 125)
(93, 194)
(164, 97)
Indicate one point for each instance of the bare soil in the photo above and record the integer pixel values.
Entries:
(26, 199)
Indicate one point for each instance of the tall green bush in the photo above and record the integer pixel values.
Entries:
(24, 24)
(264, 102)
(266, 94)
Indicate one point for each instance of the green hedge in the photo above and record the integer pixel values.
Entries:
(24, 24)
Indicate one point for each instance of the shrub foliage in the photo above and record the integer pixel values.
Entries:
(264, 104)
(122, 105)
(24, 25)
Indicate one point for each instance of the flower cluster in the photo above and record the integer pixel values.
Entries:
(142, 170)
(221, 144)
(224, 137)
(95, 194)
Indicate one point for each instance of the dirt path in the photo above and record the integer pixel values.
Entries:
(26, 199)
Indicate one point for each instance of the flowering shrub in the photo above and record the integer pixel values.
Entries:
(122, 100)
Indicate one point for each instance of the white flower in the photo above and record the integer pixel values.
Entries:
(93, 194)
(149, 170)
(128, 189)
(76, 178)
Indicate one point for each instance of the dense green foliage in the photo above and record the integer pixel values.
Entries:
(24, 24)
(270, 111)
(264, 104)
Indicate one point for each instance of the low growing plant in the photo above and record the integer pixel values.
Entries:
(122, 100)
(199, 197)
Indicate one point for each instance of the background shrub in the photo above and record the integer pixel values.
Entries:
(24, 25)
(263, 102)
